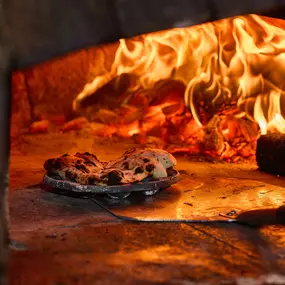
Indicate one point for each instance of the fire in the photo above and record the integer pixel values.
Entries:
(211, 88)
(240, 59)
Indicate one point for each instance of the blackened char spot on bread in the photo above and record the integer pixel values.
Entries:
(82, 167)
(149, 167)
(126, 165)
(87, 157)
(89, 163)
(114, 177)
(91, 180)
(129, 151)
(78, 166)
(138, 170)
(48, 164)
(57, 164)
(170, 171)
(146, 160)
(92, 155)
(71, 175)
(64, 155)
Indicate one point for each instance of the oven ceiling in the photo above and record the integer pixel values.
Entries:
(48, 28)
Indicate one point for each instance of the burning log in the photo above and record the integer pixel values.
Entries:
(213, 140)
(270, 153)
(110, 95)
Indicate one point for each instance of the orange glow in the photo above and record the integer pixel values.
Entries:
(240, 60)
(129, 130)
(203, 89)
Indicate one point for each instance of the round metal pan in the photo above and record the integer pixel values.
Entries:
(114, 191)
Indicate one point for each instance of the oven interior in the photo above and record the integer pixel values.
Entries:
(205, 93)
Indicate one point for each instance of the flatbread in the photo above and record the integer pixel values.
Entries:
(133, 166)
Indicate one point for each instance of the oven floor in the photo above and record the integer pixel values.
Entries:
(58, 240)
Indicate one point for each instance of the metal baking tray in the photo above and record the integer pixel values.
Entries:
(114, 191)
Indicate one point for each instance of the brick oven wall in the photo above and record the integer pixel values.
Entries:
(37, 91)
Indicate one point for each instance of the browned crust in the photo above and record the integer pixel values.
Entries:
(85, 168)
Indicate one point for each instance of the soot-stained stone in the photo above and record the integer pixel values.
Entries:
(37, 31)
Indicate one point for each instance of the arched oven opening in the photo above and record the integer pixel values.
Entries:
(207, 88)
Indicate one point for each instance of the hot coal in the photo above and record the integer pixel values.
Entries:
(270, 153)
(158, 117)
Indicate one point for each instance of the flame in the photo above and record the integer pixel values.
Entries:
(275, 121)
(239, 59)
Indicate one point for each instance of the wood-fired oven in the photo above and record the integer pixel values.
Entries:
(203, 80)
